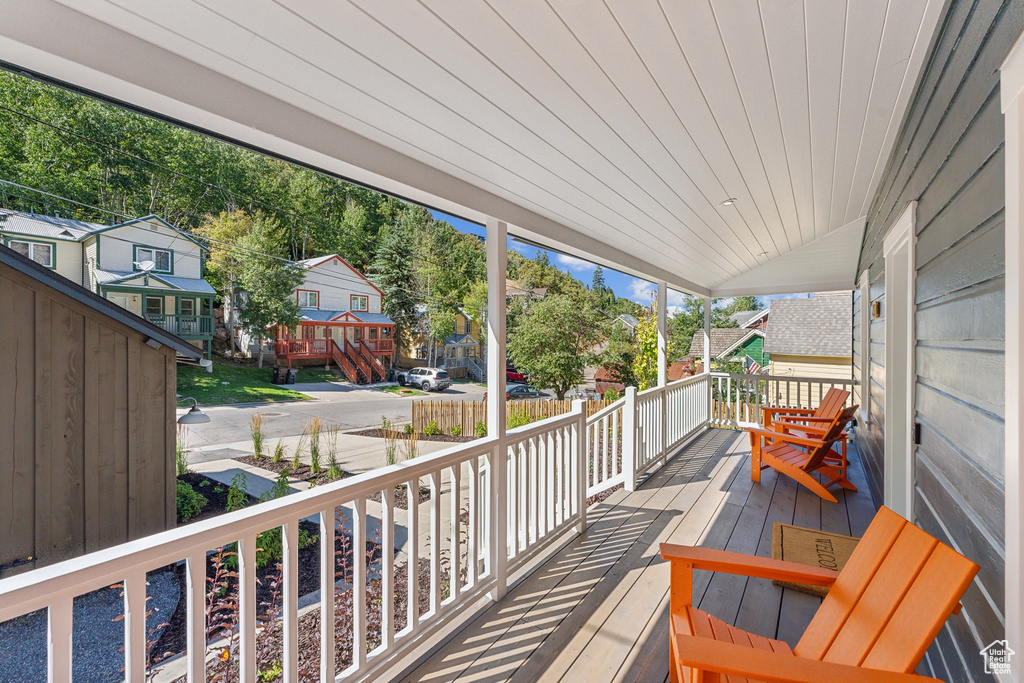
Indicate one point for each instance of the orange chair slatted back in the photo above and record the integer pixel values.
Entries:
(832, 403)
(835, 430)
(890, 600)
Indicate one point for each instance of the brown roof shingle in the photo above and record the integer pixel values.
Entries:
(721, 339)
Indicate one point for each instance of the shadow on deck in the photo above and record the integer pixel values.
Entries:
(598, 610)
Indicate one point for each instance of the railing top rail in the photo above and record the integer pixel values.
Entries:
(607, 410)
(783, 378)
(33, 590)
(692, 379)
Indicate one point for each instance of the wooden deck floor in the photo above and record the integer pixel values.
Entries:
(597, 611)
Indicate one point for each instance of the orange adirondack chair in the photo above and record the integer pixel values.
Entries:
(882, 612)
(812, 423)
(798, 455)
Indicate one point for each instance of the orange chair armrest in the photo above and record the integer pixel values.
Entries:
(737, 660)
(747, 565)
(788, 438)
(803, 418)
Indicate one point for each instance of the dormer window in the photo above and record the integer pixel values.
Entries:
(360, 303)
(308, 299)
(163, 258)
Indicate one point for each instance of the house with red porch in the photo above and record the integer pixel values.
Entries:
(341, 323)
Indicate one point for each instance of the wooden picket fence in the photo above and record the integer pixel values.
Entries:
(466, 414)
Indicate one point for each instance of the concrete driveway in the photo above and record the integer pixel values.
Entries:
(348, 406)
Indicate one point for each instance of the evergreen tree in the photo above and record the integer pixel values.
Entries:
(392, 271)
(597, 285)
(222, 233)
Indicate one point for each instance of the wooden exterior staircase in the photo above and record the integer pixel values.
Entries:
(360, 364)
(371, 360)
(343, 362)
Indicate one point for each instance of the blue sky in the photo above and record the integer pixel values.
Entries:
(623, 285)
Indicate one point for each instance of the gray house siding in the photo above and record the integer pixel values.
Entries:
(949, 157)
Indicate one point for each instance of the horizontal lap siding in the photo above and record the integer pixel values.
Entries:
(949, 157)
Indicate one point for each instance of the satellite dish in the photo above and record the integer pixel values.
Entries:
(145, 266)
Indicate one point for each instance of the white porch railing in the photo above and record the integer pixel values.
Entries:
(736, 400)
(469, 527)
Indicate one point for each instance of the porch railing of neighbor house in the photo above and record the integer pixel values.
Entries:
(313, 348)
(183, 325)
(737, 399)
(469, 530)
(381, 347)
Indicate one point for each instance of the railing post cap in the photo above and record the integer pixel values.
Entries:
(631, 390)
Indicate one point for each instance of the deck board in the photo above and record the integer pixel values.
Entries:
(597, 610)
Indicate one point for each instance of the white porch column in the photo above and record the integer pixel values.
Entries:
(707, 334)
(497, 262)
(1012, 89)
(662, 334)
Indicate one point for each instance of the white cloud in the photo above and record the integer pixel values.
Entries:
(573, 263)
(643, 292)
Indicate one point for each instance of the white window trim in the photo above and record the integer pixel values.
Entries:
(366, 303)
(154, 250)
(1011, 86)
(865, 347)
(900, 372)
(308, 293)
(32, 245)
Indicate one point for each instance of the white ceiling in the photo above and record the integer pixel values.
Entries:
(609, 129)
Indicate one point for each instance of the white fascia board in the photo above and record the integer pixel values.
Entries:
(51, 39)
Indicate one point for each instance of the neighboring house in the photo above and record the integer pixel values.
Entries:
(461, 349)
(811, 337)
(756, 320)
(340, 321)
(87, 432)
(514, 290)
(731, 345)
(626, 322)
(107, 260)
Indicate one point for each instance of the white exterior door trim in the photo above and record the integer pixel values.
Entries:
(900, 371)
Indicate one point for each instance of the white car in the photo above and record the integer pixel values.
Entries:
(425, 378)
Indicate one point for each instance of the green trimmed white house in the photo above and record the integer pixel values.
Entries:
(145, 265)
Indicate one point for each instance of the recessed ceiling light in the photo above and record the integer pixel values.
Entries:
(763, 253)
(729, 202)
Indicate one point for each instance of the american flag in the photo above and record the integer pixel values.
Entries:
(753, 367)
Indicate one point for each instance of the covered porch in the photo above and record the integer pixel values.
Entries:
(597, 610)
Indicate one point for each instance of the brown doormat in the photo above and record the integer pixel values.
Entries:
(813, 547)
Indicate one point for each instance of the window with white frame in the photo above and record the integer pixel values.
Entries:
(421, 352)
(161, 257)
(360, 303)
(308, 299)
(40, 252)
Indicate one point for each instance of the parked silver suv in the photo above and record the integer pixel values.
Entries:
(425, 378)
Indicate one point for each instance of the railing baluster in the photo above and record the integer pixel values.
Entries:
(195, 629)
(327, 531)
(435, 541)
(454, 499)
(247, 608)
(542, 488)
(473, 535)
(549, 450)
(290, 552)
(359, 583)
(60, 619)
(413, 560)
(135, 626)
(387, 567)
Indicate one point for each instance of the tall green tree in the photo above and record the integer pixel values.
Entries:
(222, 234)
(392, 271)
(269, 279)
(552, 340)
(645, 358)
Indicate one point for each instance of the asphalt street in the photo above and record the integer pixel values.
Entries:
(345, 405)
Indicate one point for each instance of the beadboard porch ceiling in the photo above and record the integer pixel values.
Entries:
(612, 130)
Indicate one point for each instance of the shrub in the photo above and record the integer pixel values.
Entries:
(190, 502)
(256, 423)
(390, 447)
(300, 449)
(280, 487)
(480, 430)
(456, 430)
(236, 493)
(181, 452)
(518, 418)
(410, 445)
(333, 467)
(612, 395)
(432, 429)
(407, 429)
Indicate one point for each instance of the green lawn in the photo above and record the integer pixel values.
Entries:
(402, 391)
(239, 384)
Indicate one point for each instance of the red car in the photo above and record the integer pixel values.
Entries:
(513, 375)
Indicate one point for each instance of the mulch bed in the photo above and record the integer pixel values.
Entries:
(302, 472)
(216, 495)
(401, 497)
(379, 433)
